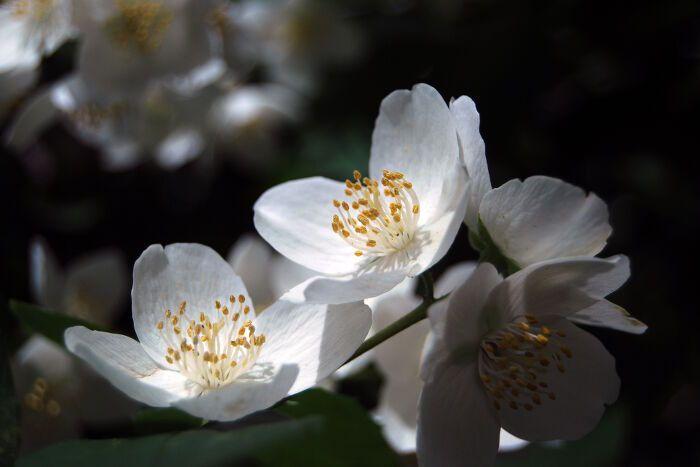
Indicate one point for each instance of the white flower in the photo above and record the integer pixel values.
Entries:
(29, 29)
(538, 219)
(58, 395)
(399, 360)
(397, 223)
(505, 355)
(294, 40)
(202, 348)
(91, 288)
(266, 275)
(129, 44)
(534, 220)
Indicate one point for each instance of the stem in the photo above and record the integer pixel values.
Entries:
(418, 314)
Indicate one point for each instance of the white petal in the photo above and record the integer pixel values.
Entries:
(46, 358)
(415, 134)
(473, 154)
(255, 390)
(453, 277)
(462, 320)
(96, 286)
(559, 286)
(457, 424)
(295, 218)
(318, 339)
(180, 147)
(434, 239)
(124, 362)
(35, 115)
(582, 392)
(544, 218)
(46, 278)
(400, 435)
(608, 315)
(251, 258)
(510, 443)
(344, 289)
(165, 277)
(286, 274)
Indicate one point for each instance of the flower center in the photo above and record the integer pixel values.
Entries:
(516, 361)
(37, 10)
(211, 353)
(139, 25)
(377, 221)
(39, 400)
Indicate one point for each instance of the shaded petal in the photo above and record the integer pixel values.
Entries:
(544, 218)
(344, 289)
(608, 315)
(415, 134)
(46, 279)
(96, 286)
(295, 218)
(286, 274)
(251, 259)
(456, 423)
(318, 339)
(433, 240)
(473, 155)
(559, 287)
(461, 320)
(453, 277)
(165, 277)
(124, 362)
(34, 116)
(249, 393)
(582, 391)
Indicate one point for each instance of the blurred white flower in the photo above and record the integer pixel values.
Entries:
(29, 30)
(266, 275)
(203, 349)
(395, 225)
(294, 40)
(505, 355)
(58, 395)
(175, 124)
(127, 45)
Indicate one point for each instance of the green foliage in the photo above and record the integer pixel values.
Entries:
(323, 429)
(48, 323)
(166, 420)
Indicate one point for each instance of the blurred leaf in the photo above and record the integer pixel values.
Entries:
(601, 448)
(325, 429)
(48, 323)
(152, 421)
(349, 429)
(9, 409)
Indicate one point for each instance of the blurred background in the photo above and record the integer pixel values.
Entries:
(603, 94)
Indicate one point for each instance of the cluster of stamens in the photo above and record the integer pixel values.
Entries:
(38, 10)
(212, 353)
(139, 24)
(377, 220)
(39, 400)
(516, 360)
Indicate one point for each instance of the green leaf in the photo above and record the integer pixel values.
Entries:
(601, 448)
(324, 429)
(152, 421)
(48, 323)
(349, 428)
(9, 408)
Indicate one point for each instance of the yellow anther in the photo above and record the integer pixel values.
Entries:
(217, 304)
(358, 253)
(357, 175)
(224, 310)
(159, 325)
(246, 310)
(241, 299)
(53, 408)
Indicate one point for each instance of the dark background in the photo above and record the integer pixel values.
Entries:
(605, 95)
